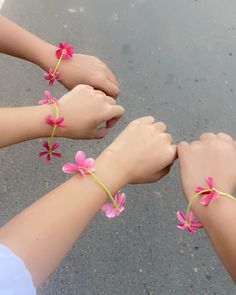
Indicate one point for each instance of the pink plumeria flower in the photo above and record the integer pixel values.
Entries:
(65, 50)
(209, 196)
(49, 99)
(51, 77)
(49, 151)
(110, 210)
(81, 165)
(188, 223)
(52, 121)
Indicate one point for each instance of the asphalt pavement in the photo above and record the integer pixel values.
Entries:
(176, 60)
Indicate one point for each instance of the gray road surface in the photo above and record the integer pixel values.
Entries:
(175, 60)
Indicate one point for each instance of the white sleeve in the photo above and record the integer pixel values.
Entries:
(15, 279)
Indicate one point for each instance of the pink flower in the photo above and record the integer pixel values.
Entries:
(49, 99)
(211, 195)
(65, 50)
(52, 121)
(81, 165)
(188, 223)
(49, 151)
(110, 210)
(51, 77)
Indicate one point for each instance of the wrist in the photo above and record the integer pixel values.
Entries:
(108, 169)
(47, 58)
(39, 114)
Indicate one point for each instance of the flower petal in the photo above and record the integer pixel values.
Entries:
(209, 181)
(191, 229)
(181, 226)
(181, 216)
(206, 200)
(121, 209)
(47, 94)
(111, 213)
(59, 121)
(55, 146)
(107, 206)
(215, 195)
(43, 101)
(120, 199)
(50, 120)
(198, 189)
(42, 154)
(46, 145)
(197, 224)
(48, 158)
(191, 216)
(88, 163)
(69, 168)
(58, 155)
(80, 157)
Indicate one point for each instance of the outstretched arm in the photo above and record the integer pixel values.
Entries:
(83, 110)
(81, 69)
(215, 156)
(43, 233)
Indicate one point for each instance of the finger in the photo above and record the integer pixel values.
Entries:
(160, 126)
(207, 136)
(100, 92)
(110, 123)
(99, 133)
(110, 100)
(170, 156)
(116, 111)
(182, 147)
(195, 142)
(225, 136)
(112, 77)
(163, 172)
(173, 155)
(146, 120)
(82, 87)
(175, 152)
(109, 88)
(166, 136)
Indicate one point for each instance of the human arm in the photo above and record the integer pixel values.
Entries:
(43, 242)
(81, 69)
(83, 110)
(215, 156)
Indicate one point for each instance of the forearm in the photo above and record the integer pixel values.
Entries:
(43, 233)
(23, 123)
(219, 219)
(18, 42)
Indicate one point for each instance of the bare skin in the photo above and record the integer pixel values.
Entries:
(83, 108)
(43, 242)
(81, 69)
(215, 156)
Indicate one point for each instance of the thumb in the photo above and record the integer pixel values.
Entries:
(99, 132)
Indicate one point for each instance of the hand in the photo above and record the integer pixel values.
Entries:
(142, 153)
(211, 155)
(80, 69)
(86, 69)
(84, 110)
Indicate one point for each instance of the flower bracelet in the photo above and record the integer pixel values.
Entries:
(188, 221)
(64, 51)
(85, 166)
(55, 121)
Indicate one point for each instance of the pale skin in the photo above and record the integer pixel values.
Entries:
(83, 108)
(81, 69)
(68, 208)
(213, 155)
